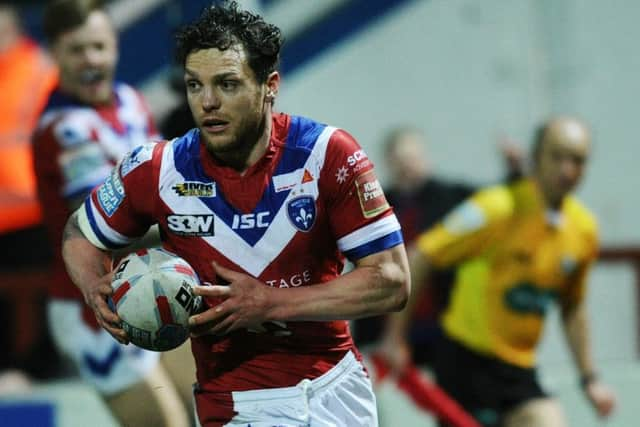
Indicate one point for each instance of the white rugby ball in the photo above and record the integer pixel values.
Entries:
(153, 296)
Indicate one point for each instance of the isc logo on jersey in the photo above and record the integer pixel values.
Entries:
(251, 220)
(191, 225)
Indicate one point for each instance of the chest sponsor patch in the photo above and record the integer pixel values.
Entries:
(139, 155)
(191, 225)
(302, 212)
(370, 194)
(195, 189)
(111, 193)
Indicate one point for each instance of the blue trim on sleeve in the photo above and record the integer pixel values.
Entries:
(94, 226)
(378, 245)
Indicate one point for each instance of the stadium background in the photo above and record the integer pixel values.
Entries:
(467, 72)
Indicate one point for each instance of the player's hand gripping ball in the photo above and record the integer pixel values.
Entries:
(153, 296)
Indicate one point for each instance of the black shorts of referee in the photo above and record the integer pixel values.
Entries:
(488, 388)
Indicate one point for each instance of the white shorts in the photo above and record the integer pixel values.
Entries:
(342, 397)
(103, 362)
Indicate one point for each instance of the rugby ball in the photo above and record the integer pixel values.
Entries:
(153, 296)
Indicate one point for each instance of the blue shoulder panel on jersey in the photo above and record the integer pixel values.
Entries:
(301, 138)
(304, 132)
(378, 245)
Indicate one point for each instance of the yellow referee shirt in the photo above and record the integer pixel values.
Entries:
(515, 257)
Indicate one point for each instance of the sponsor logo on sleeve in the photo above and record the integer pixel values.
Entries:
(136, 157)
(356, 157)
(191, 225)
(358, 161)
(302, 212)
(195, 189)
(111, 193)
(370, 194)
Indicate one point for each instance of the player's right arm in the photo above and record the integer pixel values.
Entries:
(463, 234)
(88, 239)
(86, 265)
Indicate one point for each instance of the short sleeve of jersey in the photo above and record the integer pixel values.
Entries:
(466, 230)
(120, 210)
(359, 215)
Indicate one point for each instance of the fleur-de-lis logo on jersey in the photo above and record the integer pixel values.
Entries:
(302, 212)
(304, 217)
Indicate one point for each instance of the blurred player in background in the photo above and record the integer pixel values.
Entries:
(88, 125)
(270, 206)
(519, 247)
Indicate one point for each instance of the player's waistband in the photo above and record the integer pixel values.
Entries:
(305, 386)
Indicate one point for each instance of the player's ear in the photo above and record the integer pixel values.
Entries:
(273, 84)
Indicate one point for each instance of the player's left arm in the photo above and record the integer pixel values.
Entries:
(379, 283)
(366, 232)
(576, 328)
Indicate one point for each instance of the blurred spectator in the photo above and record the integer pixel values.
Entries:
(517, 247)
(26, 78)
(90, 122)
(420, 198)
(24, 70)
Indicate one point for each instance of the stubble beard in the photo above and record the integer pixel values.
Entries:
(236, 152)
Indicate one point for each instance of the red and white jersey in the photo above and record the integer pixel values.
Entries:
(289, 221)
(75, 148)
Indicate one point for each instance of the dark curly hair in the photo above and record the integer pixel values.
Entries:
(222, 26)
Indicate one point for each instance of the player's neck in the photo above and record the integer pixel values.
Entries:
(250, 152)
